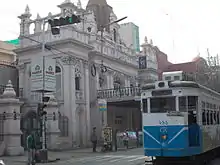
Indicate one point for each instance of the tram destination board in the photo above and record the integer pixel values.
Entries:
(161, 93)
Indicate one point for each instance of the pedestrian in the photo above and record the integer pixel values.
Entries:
(115, 140)
(30, 148)
(137, 136)
(94, 139)
(126, 138)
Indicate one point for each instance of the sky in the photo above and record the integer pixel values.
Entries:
(180, 28)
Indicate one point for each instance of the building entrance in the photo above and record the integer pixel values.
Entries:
(125, 115)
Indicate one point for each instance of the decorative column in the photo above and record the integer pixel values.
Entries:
(21, 68)
(82, 79)
(97, 81)
(25, 22)
(53, 131)
(38, 24)
(110, 80)
(70, 95)
(87, 98)
(24, 26)
(10, 106)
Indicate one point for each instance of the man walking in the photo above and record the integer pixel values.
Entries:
(137, 136)
(115, 139)
(30, 148)
(94, 139)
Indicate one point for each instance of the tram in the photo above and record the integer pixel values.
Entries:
(180, 122)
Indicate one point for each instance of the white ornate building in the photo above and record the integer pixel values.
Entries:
(76, 49)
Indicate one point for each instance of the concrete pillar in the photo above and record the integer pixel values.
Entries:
(10, 107)
(111, 79)
(108, 81)
(70, 100)
(53, 131)
(97, 81)
(87, 112)
(82, 80)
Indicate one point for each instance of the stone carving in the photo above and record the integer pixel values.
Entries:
(9, 91)
(69, 60)
(77, 71)
(38, 24)
(145, 40)
(151, 41)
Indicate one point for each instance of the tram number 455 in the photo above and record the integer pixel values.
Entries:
(163, 122)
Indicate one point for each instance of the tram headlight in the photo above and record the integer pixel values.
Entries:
(164, 137)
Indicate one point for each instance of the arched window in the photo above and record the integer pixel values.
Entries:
(115, 35)
(77, 83)
(77, 78)
(58, 82)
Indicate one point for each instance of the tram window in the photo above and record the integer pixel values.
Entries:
(176, 77)
(211, 117)
(163, 104)
(217, 116)
(182, 104)
(203, 105)
(144, 101)
(168, 78)
(214, 107)
(207, 105)
(192, 102)
(204, 118)
(214, 117)
(207, 117)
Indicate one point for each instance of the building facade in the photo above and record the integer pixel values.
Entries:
(81, 69)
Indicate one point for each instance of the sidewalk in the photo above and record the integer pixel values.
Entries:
(61, 155)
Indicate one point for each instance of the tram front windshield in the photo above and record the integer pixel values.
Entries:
(162, 104)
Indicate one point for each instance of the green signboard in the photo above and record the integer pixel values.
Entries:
(13, 42)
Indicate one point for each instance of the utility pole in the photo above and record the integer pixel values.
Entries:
(44, 147)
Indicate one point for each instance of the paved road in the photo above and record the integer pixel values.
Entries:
(105, 160)
(129, 157)
(215, 162)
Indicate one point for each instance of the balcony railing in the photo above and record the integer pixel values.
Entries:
(119, 93)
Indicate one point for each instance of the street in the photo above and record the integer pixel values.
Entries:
(129, 157)
(215, 162)
(86, 157)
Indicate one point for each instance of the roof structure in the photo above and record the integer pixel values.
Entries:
(97, 2)
(13, 42)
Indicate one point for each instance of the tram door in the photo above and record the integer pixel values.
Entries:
(193, 127)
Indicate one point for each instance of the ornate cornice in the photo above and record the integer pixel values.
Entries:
(69, 60)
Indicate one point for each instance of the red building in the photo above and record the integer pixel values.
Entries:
(197, 65)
